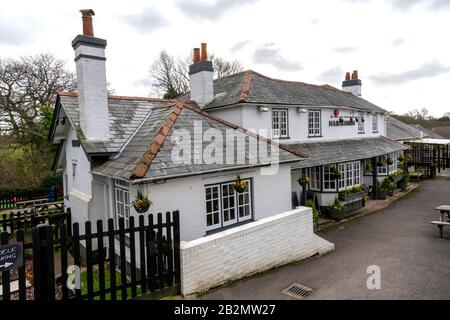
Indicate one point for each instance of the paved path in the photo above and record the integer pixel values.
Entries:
(414, 261)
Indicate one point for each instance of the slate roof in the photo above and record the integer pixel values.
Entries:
(252, 87)
(399, 131)
(442, 131)
(331, 152)
(148, 153)
(125, 115)
(427, 133)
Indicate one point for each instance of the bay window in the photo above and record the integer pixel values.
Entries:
(329, 183)
(225, 206)
(351, 174)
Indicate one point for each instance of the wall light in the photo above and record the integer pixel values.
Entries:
(301, 110)
(263, 109)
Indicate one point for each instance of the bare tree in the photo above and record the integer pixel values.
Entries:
(27, 85)
(170, 76)
(422, 114)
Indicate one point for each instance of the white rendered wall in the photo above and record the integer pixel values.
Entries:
(271, 195)
(250, 117)
(248, 249)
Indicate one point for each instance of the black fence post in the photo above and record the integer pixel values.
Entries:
(176, 245)
(375, 178)
(43, 263)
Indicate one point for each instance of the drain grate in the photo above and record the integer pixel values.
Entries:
(297, 290)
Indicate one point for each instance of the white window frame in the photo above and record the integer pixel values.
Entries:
(122, 202)
(280, 123)
(375, 123)
(351, 175)
(327, 179)
(361, 127)
(237, 205)
(314, 123)
(314, 179)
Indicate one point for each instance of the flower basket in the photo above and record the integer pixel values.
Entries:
(303, 180)
(390, 161)
(239, 184)
(141, 203)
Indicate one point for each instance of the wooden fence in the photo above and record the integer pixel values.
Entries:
(119, 262)
(9, 200)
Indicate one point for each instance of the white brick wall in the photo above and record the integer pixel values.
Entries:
(201, 84)
(255, 247)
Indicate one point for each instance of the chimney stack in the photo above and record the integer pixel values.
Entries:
(201, 77)
(91, 80)
(352, 85)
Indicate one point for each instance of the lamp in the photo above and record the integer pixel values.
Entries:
(263, 109)
(301, 110)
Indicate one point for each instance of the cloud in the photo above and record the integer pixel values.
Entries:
(267, 54)
(240, 45)
(147, 21)
(397, 42)
(427, 70)
(344, 49)
(405, 5)
(16, 32)
(209, 11)
(314, 21)
(144, 82)
(333, 75)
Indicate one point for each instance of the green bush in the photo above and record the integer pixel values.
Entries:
(310, 203)
(337, 205)
(51, 180)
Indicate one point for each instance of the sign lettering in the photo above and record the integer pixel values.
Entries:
(11, 256)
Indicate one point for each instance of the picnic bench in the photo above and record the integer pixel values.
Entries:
(415, 174)
(42, 206)
(444, 210)
(30, 203)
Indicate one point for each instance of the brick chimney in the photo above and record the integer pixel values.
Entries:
(91, 79)
(201, 77)
(352, 85)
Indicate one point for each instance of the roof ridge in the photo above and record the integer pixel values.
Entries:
(323, 86)
(114, 97)
(246, 131)
(144, 165)
(246, 86)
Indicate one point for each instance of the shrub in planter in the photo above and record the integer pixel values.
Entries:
(386, 187)
(403, 183)
(337, 210)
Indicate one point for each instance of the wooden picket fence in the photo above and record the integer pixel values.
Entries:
(119, 262)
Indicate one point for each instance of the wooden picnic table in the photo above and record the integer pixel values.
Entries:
(42, 206)
(30, 203)
(443, 210)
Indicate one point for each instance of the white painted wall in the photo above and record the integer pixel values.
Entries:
(249, 117)
(80, 184)
(249, 249)
(201, 85)
(272, 195)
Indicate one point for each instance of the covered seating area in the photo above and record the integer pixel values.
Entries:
(429, 155)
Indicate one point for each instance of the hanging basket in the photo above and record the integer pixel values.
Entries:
(239, 184)
(303, 180)
(141, 203)
(390, 161)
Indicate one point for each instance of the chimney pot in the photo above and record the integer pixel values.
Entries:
(196, 55)
(347, 76)
(355, 75)
(86, 16)
(204, 54)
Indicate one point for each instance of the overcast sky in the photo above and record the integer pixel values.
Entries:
(400, 47)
